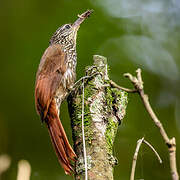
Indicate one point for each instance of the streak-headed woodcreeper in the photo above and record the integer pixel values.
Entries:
(55, 77)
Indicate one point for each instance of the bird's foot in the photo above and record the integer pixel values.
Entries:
(81, 80)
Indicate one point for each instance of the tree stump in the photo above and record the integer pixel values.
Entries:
(104, 109)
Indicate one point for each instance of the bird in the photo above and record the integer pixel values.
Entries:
(55, 77)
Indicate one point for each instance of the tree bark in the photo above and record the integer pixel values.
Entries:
(104, 109)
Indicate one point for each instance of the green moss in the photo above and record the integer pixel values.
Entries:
(109, 98)
(115, 99)
(121, 96)
(111, 132)
(76, 113)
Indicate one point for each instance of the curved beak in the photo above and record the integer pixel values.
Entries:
(81, 18)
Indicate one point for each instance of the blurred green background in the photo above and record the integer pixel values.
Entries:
(131, 34)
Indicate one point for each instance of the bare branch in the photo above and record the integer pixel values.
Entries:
(172, 157)
(171, 143)
(113, 84)
(139, 142)
(152, 148)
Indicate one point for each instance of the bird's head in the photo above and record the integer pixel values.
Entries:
(68, 32)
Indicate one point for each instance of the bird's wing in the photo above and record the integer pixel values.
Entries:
(51, 69)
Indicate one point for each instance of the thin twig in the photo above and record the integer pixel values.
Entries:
(139, 142)
(113, 84)
(171, 143)
(152, 148)
(83, 135)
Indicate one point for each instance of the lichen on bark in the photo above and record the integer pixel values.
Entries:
(104, 109)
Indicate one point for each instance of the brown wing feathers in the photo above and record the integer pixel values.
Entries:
(48, 80)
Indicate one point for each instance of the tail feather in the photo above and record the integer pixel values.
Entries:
(66, 144)
(60, 152)
(59, 145)
(59, 140)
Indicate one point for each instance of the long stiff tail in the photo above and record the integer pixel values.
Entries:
(59, 139)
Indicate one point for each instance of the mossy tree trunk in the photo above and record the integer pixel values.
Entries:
(104, 109)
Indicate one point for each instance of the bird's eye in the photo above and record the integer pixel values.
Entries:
(67, 26)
